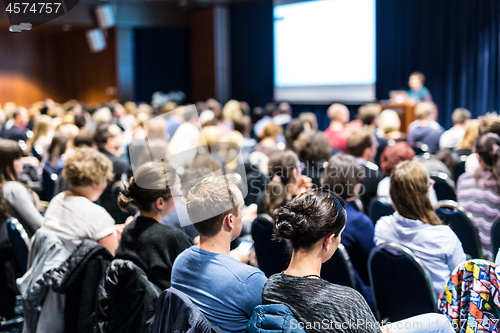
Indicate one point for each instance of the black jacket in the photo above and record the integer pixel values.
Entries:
(78, 278)
(175, 312)
(125, 301)
(9, 272)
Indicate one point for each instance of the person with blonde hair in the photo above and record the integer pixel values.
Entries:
(416, 225)
(389, 125)
(425, 129)
(470, 136)
(336, 133)
(72, 215)
(42, 135)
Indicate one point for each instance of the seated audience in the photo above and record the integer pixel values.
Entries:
(20, 201)
(336, 133)
(17, 131)
(464, 147)
(54, 163)
(314, 222)
(452, 137)
(224, 289)
(293, 131)
(310, 118)
(268, 144)
(145, 241)
(389, 126)
(314, 150)
(425, 129)
(72, 215)
(416, 225)
(42, 135)
(343, 176)
(418, 92)
(363, 145)
(478, 192)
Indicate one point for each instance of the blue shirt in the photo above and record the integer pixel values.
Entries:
(224, 289)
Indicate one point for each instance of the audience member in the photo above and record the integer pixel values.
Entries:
(42, 135)
(20, 201)
(452, 137)
(464, 147)
(314, 150)
(389, 126)
(416, 225)
(336, 132)
(268, 144)
(478, 192)
(54, 163)
(343, 176)
(224, 289)
(17, 131)
(145, 241)
(363, 145)
(310, 118)
(425, 130)
(293, 131)
(72, 215)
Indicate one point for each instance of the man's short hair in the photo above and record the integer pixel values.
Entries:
(489, 123)
(460, 116)
(342, 174)
(210, 201)
(335, 110)
(101, 135)
(424, 109)
(419, 75)
(368, 113)
(359, 140)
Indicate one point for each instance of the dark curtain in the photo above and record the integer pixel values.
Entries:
(453, 42)
(162, 62)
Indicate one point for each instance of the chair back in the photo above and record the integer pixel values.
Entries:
(443, 189)
(458, 170)
(495, 237)
(397, 276)
(339, 269)
(379, 209)
(461, 223)
(20, 241)
(273, 256)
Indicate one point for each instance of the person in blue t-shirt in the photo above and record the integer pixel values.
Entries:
(417, 92)
(343, 176)
(223, 288)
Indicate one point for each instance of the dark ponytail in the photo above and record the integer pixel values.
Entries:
(310, 217)
(281, 167)
(488, 148)
(151, 181)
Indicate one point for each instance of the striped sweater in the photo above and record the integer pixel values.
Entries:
(480, 198)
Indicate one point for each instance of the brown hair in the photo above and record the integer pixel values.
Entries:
(313, 147)
(489, 123)
(460, 116)
(57, 147)
(487, 147)
(150, 181)
(270, 129)
(420, 76)
(359, 140)
(409, 188)
(87, 167)
(342, 175)
(9, 152)
(470, 136)
(281, 165)
(368, 113)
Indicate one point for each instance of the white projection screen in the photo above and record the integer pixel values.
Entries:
(324, 51)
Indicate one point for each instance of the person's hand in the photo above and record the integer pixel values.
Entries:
(305, 183)
(119, 229)
(241, 256)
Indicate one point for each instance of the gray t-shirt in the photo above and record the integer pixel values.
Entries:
(320, 306)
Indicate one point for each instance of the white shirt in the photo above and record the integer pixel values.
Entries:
(436, 246)
(451, 138)
(75, 218)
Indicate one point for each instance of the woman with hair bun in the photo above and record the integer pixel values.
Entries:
(313, 222)
(145, 241)
(478, 192)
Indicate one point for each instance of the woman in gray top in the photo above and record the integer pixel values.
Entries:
(314, 222)
(20, 201)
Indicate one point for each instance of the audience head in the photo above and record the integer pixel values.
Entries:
(11, 163)
(107, 137)
(151, 189)
(243, 125)
(343, 176)
(42, 127)
(210, 135)
(362, 143)
(293, 131)
(21, 117)
(156, 129)
(313, 147)
(369, 113)
(487, 146)
(388, 121)
(190, 177)
(425, 110)
(284, 108)
(338, 112)
(257, 114)
(460, 116)
(489, 123)
(309, 118)
(58, 146)
(271, 130)
(85, 138)
(416, 81)
(214, 206)
(471, 134)
(102, 115)
(232, 110)
(285, 173)
(88, 168)
(393, 155)
(270, 109)
(409, 190)
(314, 218)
